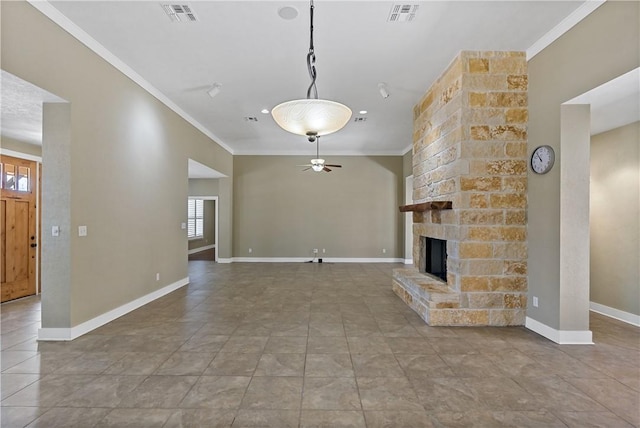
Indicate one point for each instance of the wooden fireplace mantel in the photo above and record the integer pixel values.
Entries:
(426, 206)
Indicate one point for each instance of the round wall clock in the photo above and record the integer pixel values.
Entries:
(542, 159)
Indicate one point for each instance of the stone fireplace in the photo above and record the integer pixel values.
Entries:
(470, 180)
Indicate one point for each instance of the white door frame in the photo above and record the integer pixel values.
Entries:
(215, 241)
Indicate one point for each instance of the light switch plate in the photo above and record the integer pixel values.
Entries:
(82, 230)
(55, 230)
(183, 226)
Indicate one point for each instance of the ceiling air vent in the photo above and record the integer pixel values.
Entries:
(359, 119)
(403, 12)
(250, 119)
(180, 12)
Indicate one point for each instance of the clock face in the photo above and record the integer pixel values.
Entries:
(542, 159)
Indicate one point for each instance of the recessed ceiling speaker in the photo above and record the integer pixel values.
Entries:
(288, 12)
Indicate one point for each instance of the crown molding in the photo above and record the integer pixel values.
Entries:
(565, 25)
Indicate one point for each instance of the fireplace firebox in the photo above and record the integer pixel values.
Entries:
(433, 257)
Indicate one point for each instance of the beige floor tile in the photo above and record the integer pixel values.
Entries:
(243, 335)
(286, 345)
(273, 393)
(103, 391)
(330, 393)
(233, 364)
(135, 418)
(216, 392)
(376, 365)
(65, 417)
(327, 345)
(137, 363)
(331, 418)
(485, 418)
(267, 418)
(399, 419)
(18, 417)
(204, 343)
(48, 391)
(12, 383)
(592, 420)
(615, 396)
(159, 391)
(185, 364)
(387, 393)
(424, 365)
(198, 418)
(369, 345)
(328, 365)
(245, 344)
(280, 365)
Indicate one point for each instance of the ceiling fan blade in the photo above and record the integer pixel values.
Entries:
(306, 165)
(308, 168)
(326, 169)
(334, 166)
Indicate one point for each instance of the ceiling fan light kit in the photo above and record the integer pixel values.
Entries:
(318, 164)
(311, 116)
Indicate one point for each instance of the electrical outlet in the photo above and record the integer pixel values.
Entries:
(323, 251)
(250, 250)
(315, 251)
(535, 302)
(384, 251)
(158, 276)
(82, 230)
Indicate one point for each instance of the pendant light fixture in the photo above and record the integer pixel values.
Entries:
(311, 116)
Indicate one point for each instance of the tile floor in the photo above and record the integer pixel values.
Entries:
(308, 345)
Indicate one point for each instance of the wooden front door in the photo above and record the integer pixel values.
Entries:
(18, 224)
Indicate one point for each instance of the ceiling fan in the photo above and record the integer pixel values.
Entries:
(318, 164)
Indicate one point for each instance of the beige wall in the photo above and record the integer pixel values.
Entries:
(204, 187)
(615, 218)
(407, 163)
(603, 46)
(133, 218)
(20, 146)
(352, 212)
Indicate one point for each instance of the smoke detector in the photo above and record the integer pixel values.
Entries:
(403, 12)
(179, 12)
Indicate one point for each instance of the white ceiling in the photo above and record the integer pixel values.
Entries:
(259, 59)
(21, 108)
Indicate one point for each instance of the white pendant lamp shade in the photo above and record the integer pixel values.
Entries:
(311, 116)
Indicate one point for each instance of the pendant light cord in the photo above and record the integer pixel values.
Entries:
(311, 59)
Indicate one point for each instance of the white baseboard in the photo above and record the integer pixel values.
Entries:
(408, 261)
(197, 250)
(623, 316)
(60, 334)
(562, 337)
(308, 259)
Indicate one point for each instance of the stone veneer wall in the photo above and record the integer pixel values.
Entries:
(470, 147)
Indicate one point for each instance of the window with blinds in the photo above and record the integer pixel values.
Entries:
(195, 218)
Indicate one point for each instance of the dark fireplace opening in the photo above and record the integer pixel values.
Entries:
(433, 257)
